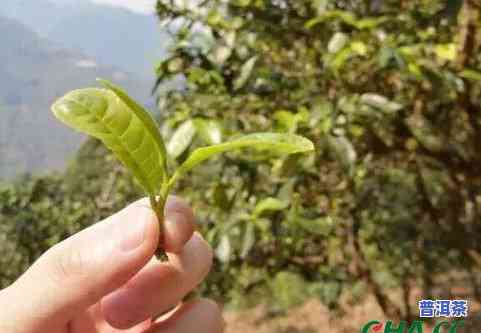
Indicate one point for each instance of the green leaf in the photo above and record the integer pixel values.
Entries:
(338, 41)
(243, 3)
(122, 125)
(175, 65)
(209, 130)
(221, 54)
(223, 251)
(337, 61)
(288, 289)
(470, 75)
(269, 204)
(143, 115)
(359, 48)
(248, 240)
(181, 139)
(446, 51)
(274, 142)
(380, 102)
(343, 150)
(348, 18)
(318, 226)
(425, 133)
(288, 121)
(245, 73)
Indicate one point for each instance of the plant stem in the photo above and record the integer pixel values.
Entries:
(157, 205)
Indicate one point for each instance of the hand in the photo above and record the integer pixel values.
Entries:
(106, 279)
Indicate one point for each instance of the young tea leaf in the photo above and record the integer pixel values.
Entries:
(122, 125)
(274, 142)
(143, 115)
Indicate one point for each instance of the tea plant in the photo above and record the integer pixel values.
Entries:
(127, 129)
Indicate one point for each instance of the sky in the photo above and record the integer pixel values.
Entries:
(141, 6)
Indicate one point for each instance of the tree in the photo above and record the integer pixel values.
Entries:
(388, 91)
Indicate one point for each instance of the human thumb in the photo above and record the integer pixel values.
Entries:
(79, 271)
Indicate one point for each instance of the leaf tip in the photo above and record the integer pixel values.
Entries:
(310, 147)
(104, 82)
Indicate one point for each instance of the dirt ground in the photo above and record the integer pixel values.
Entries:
(313, 317)
(308, 318)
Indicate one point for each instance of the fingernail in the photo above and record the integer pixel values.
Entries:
(172, 220)
(132, 231)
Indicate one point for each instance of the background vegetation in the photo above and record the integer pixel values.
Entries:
(388, 205)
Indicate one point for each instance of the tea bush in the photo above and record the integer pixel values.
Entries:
(389, 92)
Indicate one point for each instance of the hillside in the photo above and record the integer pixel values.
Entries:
(33, 72)
(112, 35)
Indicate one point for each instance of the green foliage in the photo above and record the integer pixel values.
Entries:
(36, 213)
(388, 93)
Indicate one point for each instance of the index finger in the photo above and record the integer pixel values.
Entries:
(178, 225)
